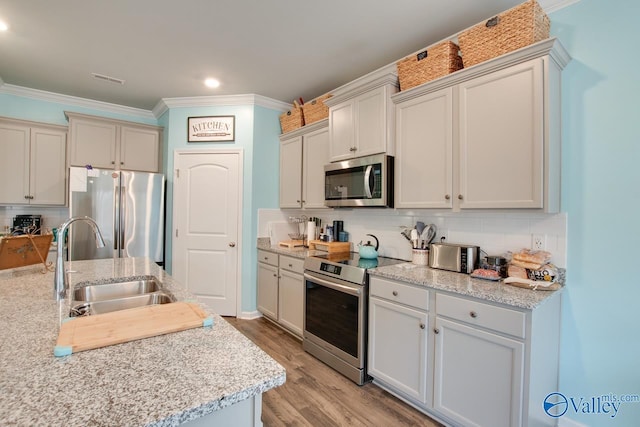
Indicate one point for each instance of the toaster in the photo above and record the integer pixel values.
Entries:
(453, 257)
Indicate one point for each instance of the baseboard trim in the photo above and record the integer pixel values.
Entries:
(249, 315)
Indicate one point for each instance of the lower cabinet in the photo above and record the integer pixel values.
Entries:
(474, 363)
(281, 290)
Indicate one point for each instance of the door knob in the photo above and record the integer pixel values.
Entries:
(232, 244)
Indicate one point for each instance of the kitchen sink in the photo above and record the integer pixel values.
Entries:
(118, 294)
(105, 306)
(119, 288)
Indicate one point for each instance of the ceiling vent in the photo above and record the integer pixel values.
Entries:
(107, 78)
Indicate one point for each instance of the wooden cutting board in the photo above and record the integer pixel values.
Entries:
(101, 330)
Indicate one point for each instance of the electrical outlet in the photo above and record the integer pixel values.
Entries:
(538, 242)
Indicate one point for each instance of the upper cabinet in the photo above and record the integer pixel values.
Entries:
(303, 154)
(114, 144)
(32, 163)
(361, 117)
(487, 137)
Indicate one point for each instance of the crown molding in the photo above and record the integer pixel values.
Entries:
(551, 6)
(42, 95)
(218, 101)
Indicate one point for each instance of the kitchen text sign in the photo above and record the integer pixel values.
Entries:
(211, 129)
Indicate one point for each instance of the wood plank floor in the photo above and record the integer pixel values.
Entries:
(316, 395)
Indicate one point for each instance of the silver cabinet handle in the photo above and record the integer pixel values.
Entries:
(422, 326)
(436, 331)
(459, 196)
(447, 197)
(395, 293)
(232, 244)
(473, 314)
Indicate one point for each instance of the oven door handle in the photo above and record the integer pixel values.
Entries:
(341, 288)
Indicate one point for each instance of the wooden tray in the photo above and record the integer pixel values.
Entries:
(28, 249)
(291, 243)
(331, 247)
(101, 330)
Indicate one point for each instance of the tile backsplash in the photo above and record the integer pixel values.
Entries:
(51, 217)
(495, 232)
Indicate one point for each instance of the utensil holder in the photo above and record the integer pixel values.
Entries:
(420, 257)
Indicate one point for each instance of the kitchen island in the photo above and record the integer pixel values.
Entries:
(209, 374)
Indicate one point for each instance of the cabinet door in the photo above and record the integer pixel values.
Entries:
(315, 152)
(342, 131)
(139, 149)
(93, 143)
(48, 166)
(14, 164)
(291, 173)
(424, 151)
(501, 139)
(478, 376)
(291, 301)
(371, 123)
(268, 290)
(398, 348)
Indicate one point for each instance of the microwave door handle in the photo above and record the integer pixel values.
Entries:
(367, 182)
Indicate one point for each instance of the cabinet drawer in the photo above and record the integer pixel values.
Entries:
(488, 316)
(268, 257)
(292, 264)
(412, 296)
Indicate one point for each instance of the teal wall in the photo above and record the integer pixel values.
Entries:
(600, 351)
(38, 110)
(257, 131)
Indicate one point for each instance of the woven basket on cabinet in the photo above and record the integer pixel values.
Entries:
(292, 119)
(315, 110)
(437, 61)
(513, 29)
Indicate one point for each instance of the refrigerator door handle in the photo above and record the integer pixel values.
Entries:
(116, 216)
(123, 207)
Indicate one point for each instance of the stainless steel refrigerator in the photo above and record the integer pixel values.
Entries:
(127, 206)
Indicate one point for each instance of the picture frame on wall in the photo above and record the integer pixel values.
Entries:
(211, 129)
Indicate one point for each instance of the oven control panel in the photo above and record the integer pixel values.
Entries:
(330, 268)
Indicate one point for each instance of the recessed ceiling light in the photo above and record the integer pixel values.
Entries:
(212, 83)
(3, 26)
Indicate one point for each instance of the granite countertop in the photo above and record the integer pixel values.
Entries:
(441, 280)
(159, 381)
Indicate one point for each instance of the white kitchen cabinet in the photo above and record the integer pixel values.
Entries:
(303, 154)
(113, 144)
(267, 287)
(291, 294)
(398, 339)
(361, 119)
(478, 376)
(503, 121)
(32, 163)
(424, 151)
(281, 290)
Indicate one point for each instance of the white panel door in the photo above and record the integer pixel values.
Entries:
(206, 215)
(14, 164)
(291, 173)
(48, 166)
(315, 155)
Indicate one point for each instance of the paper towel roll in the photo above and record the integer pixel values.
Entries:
(311, 230)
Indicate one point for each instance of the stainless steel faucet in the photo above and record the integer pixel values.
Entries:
(60, 281)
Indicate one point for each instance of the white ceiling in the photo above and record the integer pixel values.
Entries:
(281, 49)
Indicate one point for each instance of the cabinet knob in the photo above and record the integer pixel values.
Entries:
(353, 149)
(297, 201)
(447, 197)
(395, 293)
(459, 196)
(266, 258)
(436, 331)
(290, 265)
(422, 326)
(113, 162)
(26, 197)
(473, 314)
(122, 163)
(232, 244)
(275, 275)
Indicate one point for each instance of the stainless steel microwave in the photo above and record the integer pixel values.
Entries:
(365, 181)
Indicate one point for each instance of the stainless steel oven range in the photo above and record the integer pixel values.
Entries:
(335, 311)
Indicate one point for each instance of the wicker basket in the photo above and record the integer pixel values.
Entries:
(437, 61)
(292, 119)
(513, 29)
(315, 110)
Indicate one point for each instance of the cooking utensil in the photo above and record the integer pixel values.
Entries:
(427, 235)
(367, 250)
(420, 227)
(406, 232)
(414, 238)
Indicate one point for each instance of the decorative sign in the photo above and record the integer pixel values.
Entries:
(211, 129)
